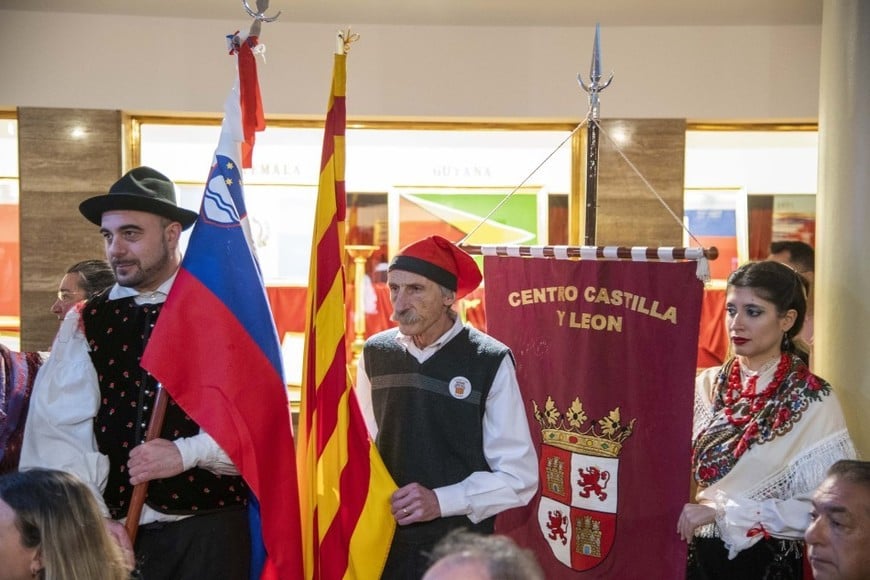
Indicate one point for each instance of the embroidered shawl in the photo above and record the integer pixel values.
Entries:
(800, 433)
(719, 444)
(17, 372)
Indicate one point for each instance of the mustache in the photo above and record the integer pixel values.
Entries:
(118, 263)
(406, 317)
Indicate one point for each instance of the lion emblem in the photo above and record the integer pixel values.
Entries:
(557, 525)
(593, 480)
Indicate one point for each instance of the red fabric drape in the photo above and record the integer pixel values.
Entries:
(605, 354)
(713, 340)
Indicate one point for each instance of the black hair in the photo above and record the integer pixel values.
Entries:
(779, 284)
(94, 276)
(800, 254)
(851, 470)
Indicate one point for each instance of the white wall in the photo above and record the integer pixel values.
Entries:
(774, 162)
(154, 65)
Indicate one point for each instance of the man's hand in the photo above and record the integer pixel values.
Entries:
(119, 533)
(694, 515)
(156, 459)
(414, 503)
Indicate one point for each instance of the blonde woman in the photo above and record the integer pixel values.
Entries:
(52, 529)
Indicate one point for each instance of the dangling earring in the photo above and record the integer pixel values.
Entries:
(786, 343)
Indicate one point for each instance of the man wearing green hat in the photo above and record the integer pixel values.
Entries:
(92, 404)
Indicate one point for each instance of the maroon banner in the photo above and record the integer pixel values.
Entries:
(605, 354)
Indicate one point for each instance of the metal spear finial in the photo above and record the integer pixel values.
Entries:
(594, 87)
(261, 15)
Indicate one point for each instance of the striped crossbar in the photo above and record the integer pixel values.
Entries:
(635, 253)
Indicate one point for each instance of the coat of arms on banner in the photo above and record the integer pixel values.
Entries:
(579, 473)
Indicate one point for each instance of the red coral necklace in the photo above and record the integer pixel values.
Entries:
(736, 392)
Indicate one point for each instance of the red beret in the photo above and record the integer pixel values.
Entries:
(442, 262)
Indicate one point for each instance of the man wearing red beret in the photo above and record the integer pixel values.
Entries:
(443, 405)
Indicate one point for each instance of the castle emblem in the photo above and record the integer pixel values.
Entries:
(579, 465)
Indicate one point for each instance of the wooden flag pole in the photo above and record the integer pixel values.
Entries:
(595, 252)
(161, 397)
(140, 491)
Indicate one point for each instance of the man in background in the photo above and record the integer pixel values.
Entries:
(802, 259)
(470, 556)
(838, 537)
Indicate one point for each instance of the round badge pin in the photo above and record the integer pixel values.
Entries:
(460, 387)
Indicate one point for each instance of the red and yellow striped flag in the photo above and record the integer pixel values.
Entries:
(344, 486)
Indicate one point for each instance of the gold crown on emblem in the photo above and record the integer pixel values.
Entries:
(567, 431)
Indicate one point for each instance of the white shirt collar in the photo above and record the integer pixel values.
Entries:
(156, 296)
(408, 341)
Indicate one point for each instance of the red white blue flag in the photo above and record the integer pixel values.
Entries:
(216, 351)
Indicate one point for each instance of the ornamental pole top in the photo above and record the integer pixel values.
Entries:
(595, 86)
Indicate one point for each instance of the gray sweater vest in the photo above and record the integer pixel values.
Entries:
(430, 415)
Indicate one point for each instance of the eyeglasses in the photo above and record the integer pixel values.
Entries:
(65, 296)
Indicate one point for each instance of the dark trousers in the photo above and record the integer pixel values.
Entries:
(215, 546)
(407, 560)
(770, 559)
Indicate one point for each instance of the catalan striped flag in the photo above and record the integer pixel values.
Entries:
(344, 486)
(230, 377)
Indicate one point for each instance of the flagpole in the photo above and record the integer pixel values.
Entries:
(140, 490)
(591, 183)
(636, 253)
(161, 397)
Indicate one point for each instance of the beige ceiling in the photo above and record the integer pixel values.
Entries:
(465, 12)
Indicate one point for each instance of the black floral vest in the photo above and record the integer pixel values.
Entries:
(117, 332)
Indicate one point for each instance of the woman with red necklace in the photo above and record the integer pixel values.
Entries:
(765, 431)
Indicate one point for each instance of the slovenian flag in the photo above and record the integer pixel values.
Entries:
(216, 351)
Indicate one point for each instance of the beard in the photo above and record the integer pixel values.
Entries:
(132, 274)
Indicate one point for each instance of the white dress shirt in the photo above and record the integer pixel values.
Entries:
(771, 484)
(59, 432)
(507, 444)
